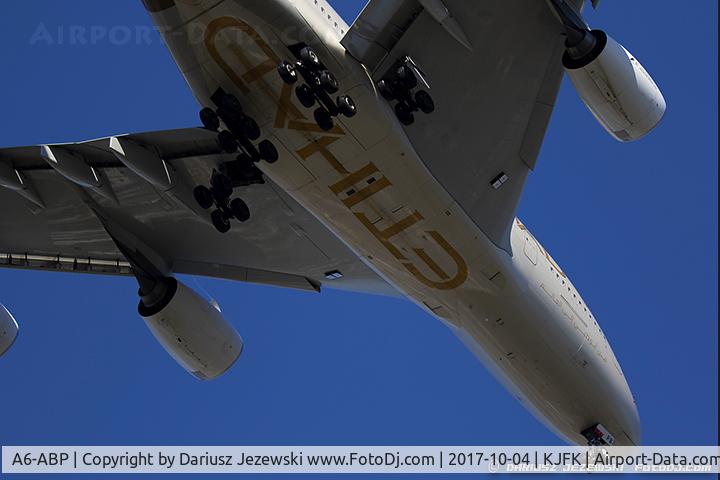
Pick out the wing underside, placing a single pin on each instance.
(493, 69)
(52, 222)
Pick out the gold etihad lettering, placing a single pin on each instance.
(364, 193)
(289, 117)
(320, 146)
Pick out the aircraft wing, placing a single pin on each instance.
(493, 69)
(49, 222)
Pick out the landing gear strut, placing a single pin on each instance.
(399, 86)
(239, 136)
(316, 90)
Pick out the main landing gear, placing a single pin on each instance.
(242, 131)
(399, 86)
(218, 195)
(319, 84)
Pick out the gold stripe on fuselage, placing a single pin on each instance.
(289, 117)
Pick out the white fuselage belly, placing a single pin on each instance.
(518, 313)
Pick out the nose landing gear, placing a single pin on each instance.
(318, 86)
(242, 131)
(398, 86)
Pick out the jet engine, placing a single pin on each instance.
(613, 85)
(8, 330)
(191, 330)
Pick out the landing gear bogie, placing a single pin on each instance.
(329, 82)
(346, 106)
(305, 95)
(220, 221)
(230, 103)
(310, 58)
(240, 210)
(405, 114)
(424, 102)
(268, 152)
(221, 186)
(227, 141)
(323, 119)
(288, 73)
(400, 86)
(242, 130)
(243, 171)
(251, 150)
(250, 128)
(386, 91)
(203, 196)
(210, 119)
(406, 77)
(317, 86)
(239, 135)
(218, 195)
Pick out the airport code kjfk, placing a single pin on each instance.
(364, 459)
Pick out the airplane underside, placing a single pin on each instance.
(384, 158)
(364, 181)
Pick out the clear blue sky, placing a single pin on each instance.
(635, 226)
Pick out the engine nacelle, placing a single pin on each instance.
(192, 331)
(616, 88)
(8, 330)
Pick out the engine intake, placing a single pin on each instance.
(8, 330)
(614, 86)
(190, 329)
